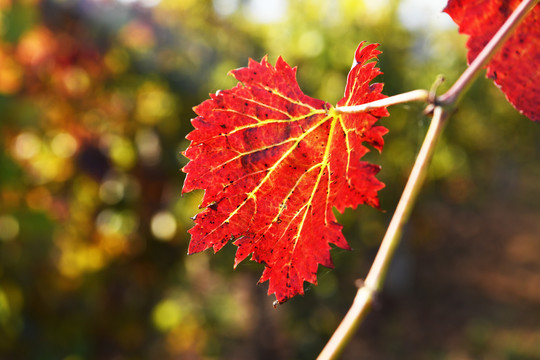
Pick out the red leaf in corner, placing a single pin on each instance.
(515, 66)
(273, 162)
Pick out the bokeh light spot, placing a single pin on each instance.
(27, 145)
(39, 198)
(77, 259)
(425, 15)
(76, 81)
(138, 36)
(149, 3)
(5, 310)
(166, 315)
(109, 222)
(266, 12)
(117, 60)
(64, 145)
(10, 74)
(111, 191)
(9, 227)
(148, 146)
(311, 43)
(163, 225)
(225, 7)
(121, 151)
(48, 167)
(153, 104)
(36, 46)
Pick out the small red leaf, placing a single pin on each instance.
(274, 161)
(515, 66)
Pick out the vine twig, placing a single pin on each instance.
(471, 73)
(441, 105)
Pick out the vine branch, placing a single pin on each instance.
(441, 110)
(471, 73)
(373, 283)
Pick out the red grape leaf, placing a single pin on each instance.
(515, 66)
(274, 161)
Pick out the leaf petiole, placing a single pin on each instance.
(414, 95)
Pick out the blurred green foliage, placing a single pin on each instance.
(95, 102)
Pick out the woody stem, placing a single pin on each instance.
(441, 110)
(471, 73)
(374, 281)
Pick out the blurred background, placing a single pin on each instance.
(95, 102)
